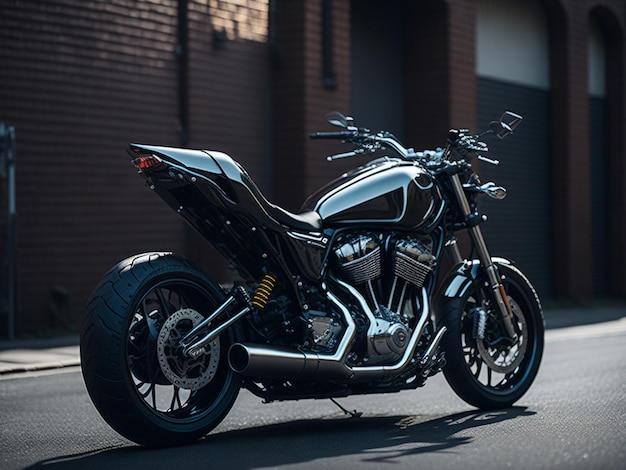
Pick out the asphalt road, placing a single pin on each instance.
(574, 417)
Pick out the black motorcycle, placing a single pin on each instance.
(346, 297)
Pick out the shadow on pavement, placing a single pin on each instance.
(371, 440)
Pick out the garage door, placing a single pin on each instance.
(513, 74)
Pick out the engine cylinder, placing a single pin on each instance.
(359, 259)
(413, 261)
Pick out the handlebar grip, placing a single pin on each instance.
(332, 135)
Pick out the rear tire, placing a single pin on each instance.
(489, 373)
(140, 384)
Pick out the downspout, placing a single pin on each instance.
(182, 53)
(328, 69)
(7, 154)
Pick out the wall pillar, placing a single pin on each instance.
(311, 76)
(440, 79)
(571, 181)
(615, 36)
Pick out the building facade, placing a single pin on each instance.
(79, 80)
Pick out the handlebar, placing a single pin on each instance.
(460, 145)
(333, 135)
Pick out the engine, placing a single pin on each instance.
(384, 270)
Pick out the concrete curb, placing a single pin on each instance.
(24, 359)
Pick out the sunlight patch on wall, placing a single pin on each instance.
(240, 19)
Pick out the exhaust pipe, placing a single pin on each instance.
(267, 361)
(263, 361)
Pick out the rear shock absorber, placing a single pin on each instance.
(263, 291)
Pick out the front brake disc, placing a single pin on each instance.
(505, 359)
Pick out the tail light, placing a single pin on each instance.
(145, 162)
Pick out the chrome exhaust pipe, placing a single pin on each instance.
(267, 361)
(250, 359)
(262, 361)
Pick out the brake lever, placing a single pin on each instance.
(338, 156)
(488, 160)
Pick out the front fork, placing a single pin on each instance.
(473, 221)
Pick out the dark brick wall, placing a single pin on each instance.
(301, 97)
(229, 92)
(80, 79)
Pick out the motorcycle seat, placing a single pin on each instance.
(308, 221)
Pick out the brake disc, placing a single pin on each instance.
(180, 370)
(505, 359)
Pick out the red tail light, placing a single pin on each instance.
(146, 161)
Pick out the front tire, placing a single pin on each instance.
(137, 379)
(492, 373)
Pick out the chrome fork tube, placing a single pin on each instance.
(453, 250)
(476, 234)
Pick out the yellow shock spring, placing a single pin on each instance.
(263, 292)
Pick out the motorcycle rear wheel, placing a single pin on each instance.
(490, 373)
(139, 382)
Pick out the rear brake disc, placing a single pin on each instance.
(180, 370)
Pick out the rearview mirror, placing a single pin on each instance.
(508, 122)
(337, 119)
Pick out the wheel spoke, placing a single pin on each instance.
(164, 379)
(176, 400)
(501, 362)
(154, 371)
(489, 376)
(149, 394)
(184, 301)
(479, 366)
(164, 303)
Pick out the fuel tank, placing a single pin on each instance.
(384, 191)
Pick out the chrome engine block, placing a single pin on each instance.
(360, 262)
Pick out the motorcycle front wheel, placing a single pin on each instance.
(485, 367)
(134, 371)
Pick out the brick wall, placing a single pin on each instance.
(301, 97)
(79, 80)
(230, 97)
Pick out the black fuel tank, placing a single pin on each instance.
(384, 191)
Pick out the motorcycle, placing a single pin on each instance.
(348, 296)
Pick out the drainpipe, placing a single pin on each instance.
(7, 147)
(182, 53)
(328, 69)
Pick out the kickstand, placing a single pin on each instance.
(352, 414)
